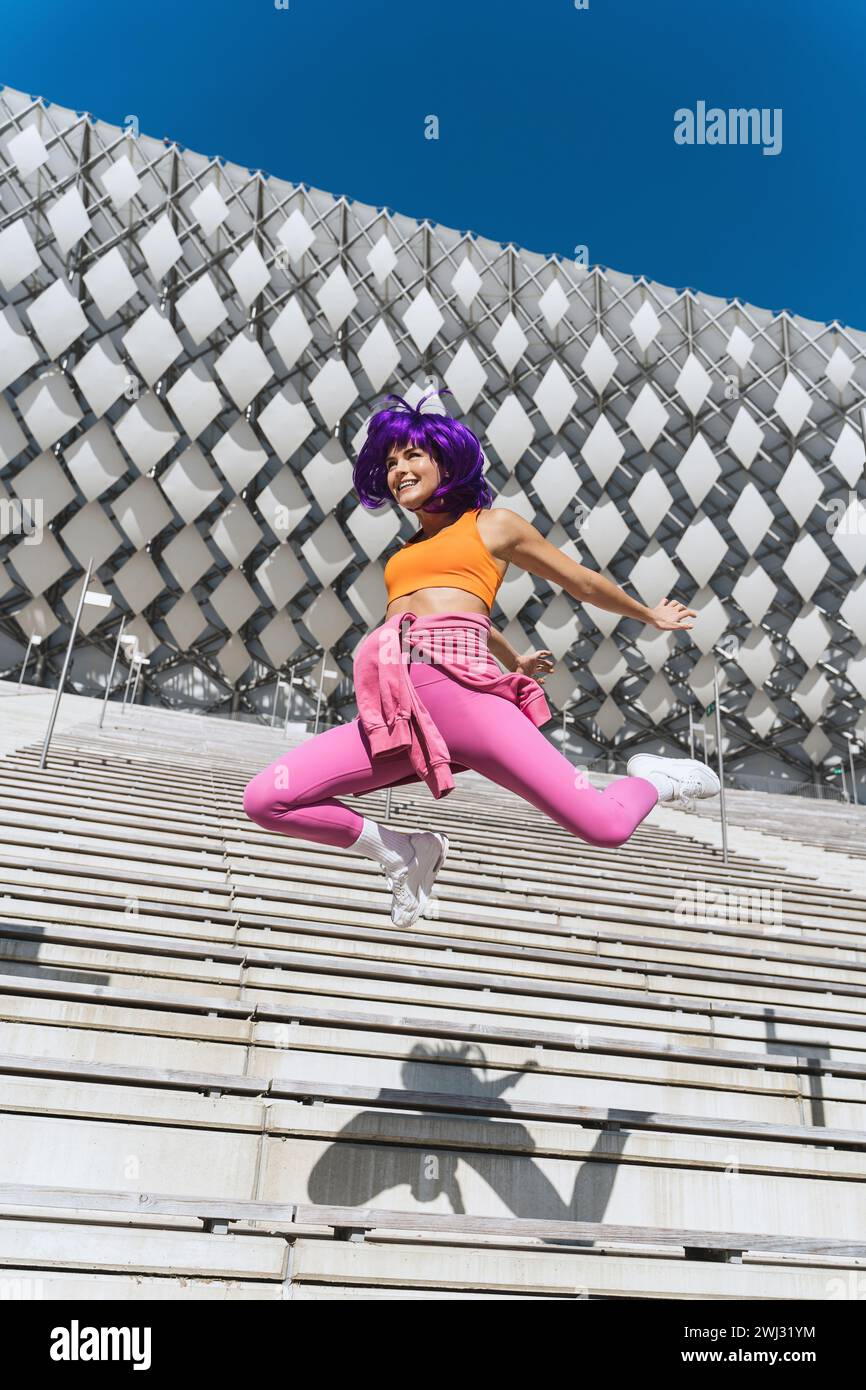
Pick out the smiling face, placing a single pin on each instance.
(413, 476)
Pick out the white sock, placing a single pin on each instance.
(666, 788)
(392, 849)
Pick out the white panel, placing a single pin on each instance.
(57, 318)
(49, 408)
(17, 352)
(190, 484)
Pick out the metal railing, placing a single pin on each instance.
(822, 791)
(738, 781)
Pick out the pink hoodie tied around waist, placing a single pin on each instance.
(391, 711)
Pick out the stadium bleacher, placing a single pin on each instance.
(225, 1074)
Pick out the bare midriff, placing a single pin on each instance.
(437, 600)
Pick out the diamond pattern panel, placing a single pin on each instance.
(189, 354)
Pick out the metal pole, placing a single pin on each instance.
(319, 696)
(59, 691)
(851, 761)
(135, 682)
(126, 687)
(111, 672)
(691, 734)
(26, 659)
(721, 762)
(291, 690)
(388, 804)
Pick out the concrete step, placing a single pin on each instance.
(197, 1010)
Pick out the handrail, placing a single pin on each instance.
(434, 1102)
(364, 1220)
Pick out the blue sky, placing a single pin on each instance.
(555, 124)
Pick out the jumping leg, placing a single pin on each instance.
(296, 795)
(489, 734)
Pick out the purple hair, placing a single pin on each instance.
(454, 447)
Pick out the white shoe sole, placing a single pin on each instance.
(431, 859)
(431, 851)
(675, 768)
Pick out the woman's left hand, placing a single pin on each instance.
(531, 663)
(669, 616)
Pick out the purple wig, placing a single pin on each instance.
(454, 447)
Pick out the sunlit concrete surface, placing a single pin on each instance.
(224, 1073)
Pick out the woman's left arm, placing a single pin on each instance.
(533, 663)
(522, 545)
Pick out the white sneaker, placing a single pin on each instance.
(411, 887)
(680, 780)
(431, 851)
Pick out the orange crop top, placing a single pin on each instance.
(455, 558)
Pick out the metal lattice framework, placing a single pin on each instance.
(189, 353)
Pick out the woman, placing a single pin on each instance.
(431, 700)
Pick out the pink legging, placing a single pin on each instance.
(295, 794)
